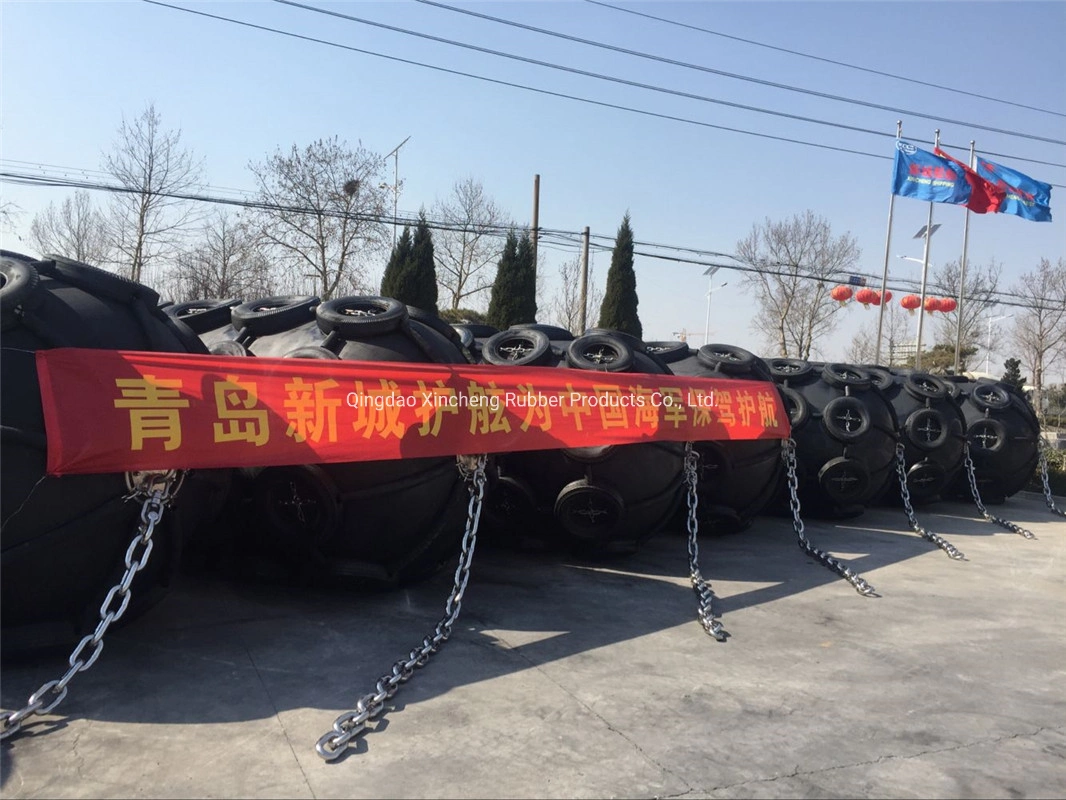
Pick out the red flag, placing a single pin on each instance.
(985, 197)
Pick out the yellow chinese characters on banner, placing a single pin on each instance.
(166, 410)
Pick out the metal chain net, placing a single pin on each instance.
(1044, 447)
(704, 593)
(905, 493)
(352, 723)
(157, 490)
(972, 477)
(788, 453)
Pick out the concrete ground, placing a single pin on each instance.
(572, 679)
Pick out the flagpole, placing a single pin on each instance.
(884, 273)
(925, 270)
(962, 273)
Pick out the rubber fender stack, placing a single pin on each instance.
(594, 501)
(64, 539)
(1004, 437)
(737, 479)
(376, 524)
(845, 434)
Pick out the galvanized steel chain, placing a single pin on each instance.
(971, 475)
(157, 489)
(905, 493)
(788, 453)
(1044, 447)
(353, 723)
(704, 593)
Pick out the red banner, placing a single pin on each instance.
(116, 411)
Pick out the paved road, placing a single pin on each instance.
(574, 679)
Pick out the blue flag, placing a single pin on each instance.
(924, 176)
(1027, 198)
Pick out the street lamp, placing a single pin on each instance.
(709, 272)
(395, 186)
(927, 231)
(988, 343)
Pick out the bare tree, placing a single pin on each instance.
(974, 300)
(324, 205)
(147, 220)
(74, 229)
(469, 244)
(227, 262)
(565, 304)
(9, 214)
(1040, 328)
(795, 262)
(898, 334)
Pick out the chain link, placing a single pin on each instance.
(971, 475)
(157, 490)
(704, 593)
(352, 723)
(905, 493)
(1044, 447)
(788, 454)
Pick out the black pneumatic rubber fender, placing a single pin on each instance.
(63, 538)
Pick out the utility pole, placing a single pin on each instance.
(396, 186)
(582, 317)
(536, 218)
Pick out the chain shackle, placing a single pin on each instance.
(705, 612)
(905, 493)
(971, 476)
(156, 490)
(788, 454)
(1044, 448)
(333, 744)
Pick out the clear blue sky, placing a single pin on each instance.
(72, 70)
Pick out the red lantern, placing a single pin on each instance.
(841, 294)
(888, 295)
(910, 302)
(948, 304)
(932, 304)
(877, 299)
(866, 297)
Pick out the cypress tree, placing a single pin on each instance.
(526, 270)
(619, 308)
(392, 280)
(505, 289)
(421, 287)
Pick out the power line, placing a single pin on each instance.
(648, 86)
(550, 93)
(706, 69)
(827, 60)
(495, 230)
